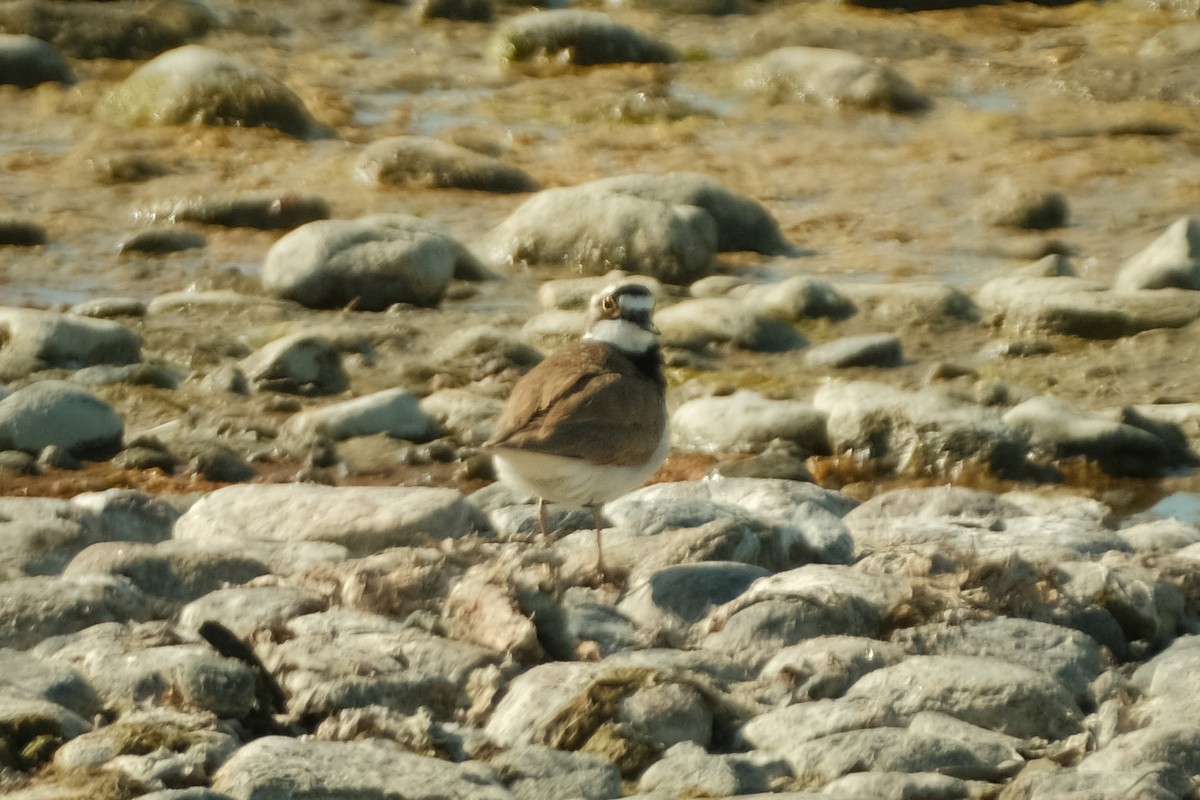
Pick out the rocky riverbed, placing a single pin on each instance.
(929, 287)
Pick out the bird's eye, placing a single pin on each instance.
(608, 304)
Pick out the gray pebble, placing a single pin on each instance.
(918, 429)
(689, 771)
(198, 746)
(672, 599)
(263, 211)
(21, 233)
(1011, 205)
(29, 677)
(26, 61)
(826, 666)
(745, 421)
(998, 695)
(542, 773)
(705, 321)
(470, 10)
(586, 37)
(1171, 260)
(798, 298)
(394, 412)
(832, 78)
(933, 305)
(299, 363)
(247, 609)
(785, 608)
(424, 162)
(117, 31)
(157, 241)
(108, 307)
(869, 350)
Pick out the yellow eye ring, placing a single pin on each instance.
(608, 304)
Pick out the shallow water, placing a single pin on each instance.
(1020, 92)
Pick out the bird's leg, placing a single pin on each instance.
(600, 522)
(541, 512)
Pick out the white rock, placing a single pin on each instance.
(394, 412)
(1072, 658)
(62, 414)
(688, 771)
(469, 415)
(276, 768)
(585, 38)
(705, 321)
(826, 666)
(833, 78)
(193, 84)
(371, 262)
(362, 518)
(921, 431)
(36, 340)
(868, 350)
(1171, 260)
(175, 570)
(32, 609)
(427, 163)
(742, 222)
(1065, 430)
(813, 600)
(244, 610)
(130, 665)
(997, 695)
(299, 363)
(799, 297)
(596, 230)
(747, 422)
(197, 747)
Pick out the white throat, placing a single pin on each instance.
(621, 334)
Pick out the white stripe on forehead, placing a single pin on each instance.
(636, 302)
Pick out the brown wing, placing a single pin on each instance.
(587, 402)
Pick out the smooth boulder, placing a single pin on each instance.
(61, 414)
(197, 84)
(743, 223)
(371, 263)
(33, 340)
(595, 230)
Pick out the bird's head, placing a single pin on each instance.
(622, 315)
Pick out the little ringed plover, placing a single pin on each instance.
(589, 423)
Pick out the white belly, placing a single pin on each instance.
(571, 482)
